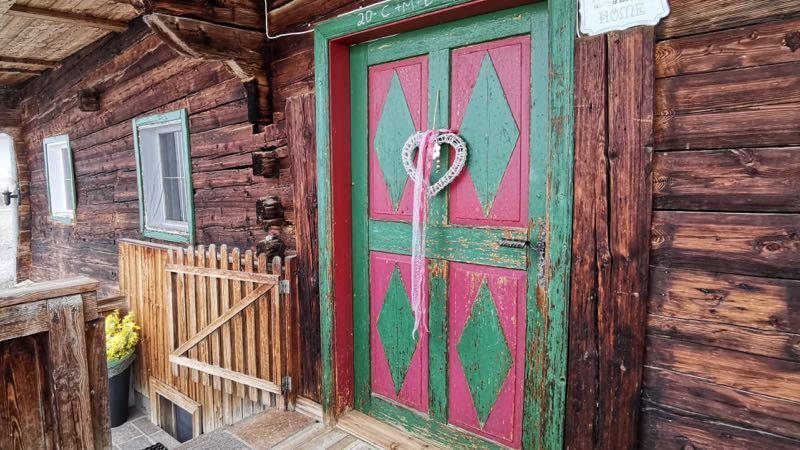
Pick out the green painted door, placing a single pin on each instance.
(464, 382)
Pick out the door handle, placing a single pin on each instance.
(513, 243)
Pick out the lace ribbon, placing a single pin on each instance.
(428, 151)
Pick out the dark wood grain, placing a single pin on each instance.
(752, 373)
(668, 428)
(745, 244)
(773, 344)
(762, 126)
(590, 275)
(736, 407)
(21, 418)
(703, 16)
(138, 75)
(747, 180)
(751, 46)
(622, 311)
(610, 246)
(300, 119)
(728, 90)
(766, 304)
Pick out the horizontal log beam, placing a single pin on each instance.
(19, 70)
(11, 60)
(66, 18)
(200, 39)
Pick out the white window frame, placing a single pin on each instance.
(152, 211)
(60, 179)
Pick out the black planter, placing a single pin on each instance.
(118, 386)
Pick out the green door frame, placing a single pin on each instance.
(544, 401)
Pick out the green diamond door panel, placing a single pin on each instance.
(487, 307)
(490, 97)
(398, 93)
(399, 357)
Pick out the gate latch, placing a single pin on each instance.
(513, 243)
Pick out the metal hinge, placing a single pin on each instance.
(286, 287)
(286, 389)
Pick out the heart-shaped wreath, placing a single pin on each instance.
(453, 140)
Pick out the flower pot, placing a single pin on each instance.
(118, 394)
(119, 381)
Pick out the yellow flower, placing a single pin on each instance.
(121, 336)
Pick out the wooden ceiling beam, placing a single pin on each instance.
(17, 70)
(200, 39)
(234, 13)
(11, 60)
(81, 20)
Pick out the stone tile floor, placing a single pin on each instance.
(139, 433)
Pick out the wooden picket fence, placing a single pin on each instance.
(219, 326)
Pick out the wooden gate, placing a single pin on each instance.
(219, 326)
(229, 326)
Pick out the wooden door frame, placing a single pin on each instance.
(332, 43)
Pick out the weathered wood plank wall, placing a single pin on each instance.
(138, 75)
(723, 346)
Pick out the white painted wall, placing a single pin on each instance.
(8, 214)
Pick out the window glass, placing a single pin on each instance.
(164, 178)
(60, 180)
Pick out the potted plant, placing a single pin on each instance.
(121, 339)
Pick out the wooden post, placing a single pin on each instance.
(590, 252)
(301, 138)
(293, 329)
(69, 372)
(611, 236)
(98, 382)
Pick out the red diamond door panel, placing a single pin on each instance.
(491, 110)
(487, 350)
(397, 109)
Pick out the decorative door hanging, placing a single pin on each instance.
(430, 145)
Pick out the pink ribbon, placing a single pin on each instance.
(419, 224)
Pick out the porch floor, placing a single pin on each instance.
(139, 433)
(276, 429)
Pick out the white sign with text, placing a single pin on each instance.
(602, 16)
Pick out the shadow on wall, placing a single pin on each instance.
(8, 214)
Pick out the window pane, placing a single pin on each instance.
(59, 190)
(65, 168)
(173, 204)
(163, 176)
(170, 154)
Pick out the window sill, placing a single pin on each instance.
(169, 237)
(63, 220)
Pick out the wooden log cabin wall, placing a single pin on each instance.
(703, 108)
(723, 344)
(136, 75)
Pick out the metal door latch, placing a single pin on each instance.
(514, 243)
